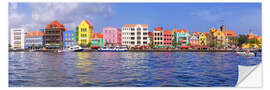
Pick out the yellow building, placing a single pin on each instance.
(85, 32)
(202, 39)
(218, 36)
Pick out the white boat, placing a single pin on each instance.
(59, 51)
(245, 54)
(75, 48)
(113, 49)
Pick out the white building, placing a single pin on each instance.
(17, 38)
(135, 34)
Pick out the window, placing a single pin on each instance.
(66, 34)
(144, 29)
(132, 29)
(138, 29)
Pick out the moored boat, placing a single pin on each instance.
(75, 48)
(113, 49)
(245, 53)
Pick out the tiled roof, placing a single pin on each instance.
(167, 32)
(230, 32)
(88, 23)
(55, 22)
(35, 33)
(134, 25)
(158, 28)
(98, 35)
(180, 30)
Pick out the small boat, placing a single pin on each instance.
(113, 49)
(246, 54)
(75, 48)
(59, 51)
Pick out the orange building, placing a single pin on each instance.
(34, 39)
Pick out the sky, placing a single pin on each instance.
(240, 17)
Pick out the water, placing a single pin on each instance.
(126, 69)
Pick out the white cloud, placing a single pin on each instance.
(69, 14)
(15, 19)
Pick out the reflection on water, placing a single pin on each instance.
(84, 66)
(126, 68)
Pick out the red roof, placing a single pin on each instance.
(35, 33)
(167, 32)
(158, 28)
(180, 30)
(55, 22)
(88, 23)
(230, 32)
(98, 35)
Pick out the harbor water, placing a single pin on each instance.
(126, 69)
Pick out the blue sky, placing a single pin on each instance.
(192, 16)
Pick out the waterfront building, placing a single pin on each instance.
(85, 33)
(135, 34)
(54, 35)
(251, 43)
(194, 41)
(202, 39)
(69, 39)
(231, 38)
(218, 36)
(112, 36)
(158, 37)
(181, 37)
(34, 40)
(17, 38)
(167, 38)
(97, 40)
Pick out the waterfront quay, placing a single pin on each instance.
(137, 50)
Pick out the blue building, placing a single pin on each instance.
(181, 37)
(69, 39)
(34, 40)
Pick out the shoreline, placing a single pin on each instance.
(174, 50)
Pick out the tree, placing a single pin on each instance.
(9, 45)
(40, 46)
(61, 45)
(33, 46)
(253, 41)
(89, 44)
(174, 43)
(242, 39)
(77, 34)
(151, 45)
(213, 44)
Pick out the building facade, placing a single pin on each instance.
(112, 36)
(231, 37)
(97, 40)
(135, 34)
(17, 38)
(167, 38)
(85, 33)
(34, 40)
(182, 37)
(202, 39)
(218, 36)
(158, 36)
(54, 35)
(194, 41)
(69, 39)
